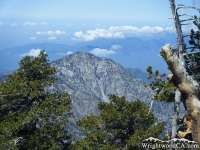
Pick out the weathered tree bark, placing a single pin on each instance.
(180, 41)
(180, 51)
(189, 89)
(176, 112)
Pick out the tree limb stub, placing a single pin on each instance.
(188, 87)
(180, 76)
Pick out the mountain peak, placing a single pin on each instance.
(89, 80)
(98, 77)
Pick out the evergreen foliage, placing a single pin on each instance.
(164, 90)
(30, 116)
(120, 125)
(195, 35)
(193, 60)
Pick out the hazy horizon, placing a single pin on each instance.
(69, 22)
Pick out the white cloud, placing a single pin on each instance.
(97, 33)
(67, 24)
(32, 38)
(51, 38)
(34, 23)
(102, 52)
(44, 23)
(29, 23)
(58, 32)
(69, 53)
(32, 52)
(115, 47)
(151, 29)
(170, 29)
(13, 24)
(115, 32)
(185, 29)
(51, 33)
(3, 23)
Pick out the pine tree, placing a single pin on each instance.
(193, 59)
(120, 125)
(164, 89)
(30, 116)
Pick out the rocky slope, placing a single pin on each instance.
(90, 79)
(97, 77)
(139, 74)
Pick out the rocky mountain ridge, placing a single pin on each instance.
(98, 77)
(90, 79)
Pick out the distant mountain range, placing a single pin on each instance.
(129, 52)
(90, 79)
(139, 74)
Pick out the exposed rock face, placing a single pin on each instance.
(97, 77)
(90, 79)
(139, 74)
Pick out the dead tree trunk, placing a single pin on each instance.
(180, 51)
(176, 113)
(189, 89)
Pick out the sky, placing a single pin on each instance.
(68, 22)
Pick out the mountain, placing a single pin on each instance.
(4, 76)
(10, 57)
(130, 52)
(98, 77)
(90, 79)
(3, 71)
(138, 73)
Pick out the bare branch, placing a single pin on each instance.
(183, 6)
(192, 47)
(189, 35)
(186, 24)
(191, 53)
(186, 20)
(186, 15)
